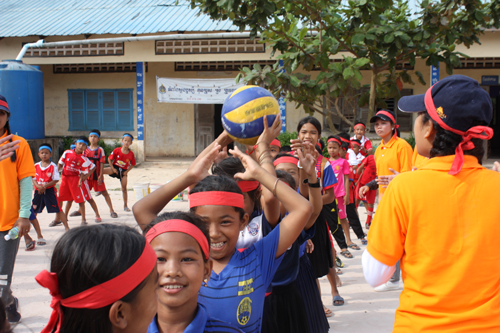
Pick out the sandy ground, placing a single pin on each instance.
(364, 309)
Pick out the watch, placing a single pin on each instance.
(315, 185)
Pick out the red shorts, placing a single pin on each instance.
(369, 196)
(94, 184)
(69, 190)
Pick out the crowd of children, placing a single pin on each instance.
(259, 232)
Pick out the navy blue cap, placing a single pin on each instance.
(459, 102)
(3, 104)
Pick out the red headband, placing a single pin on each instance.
(334, 140)
(98, 296)
(355, 143)
(248, 185)
(179, 226)
(385, 113)
(344, 140)
(286, 159)
(479, 132)
(276, 142)
(360, 125)
(3, 103)
(216, 198)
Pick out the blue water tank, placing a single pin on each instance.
(22, 86)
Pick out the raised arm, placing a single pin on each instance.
(299, 209)
(146, 209)
(308, 163)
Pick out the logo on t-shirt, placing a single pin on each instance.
(253, 228)
(244, 311)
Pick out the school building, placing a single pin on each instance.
(116, 86)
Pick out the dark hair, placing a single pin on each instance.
(356, 140)
(445, 142)
(321, 144)
(335, 137)
(87, 256)
(96, 131)
(319, 150)
(84, 138)
(131, 136)
(287, 178)
(13, 157)
(186, 216)
(286, 149)
(359, 122)
(45, 144)
(310, 120)
(396, 130)
(218, 183)
(229, 167)
(344, 135)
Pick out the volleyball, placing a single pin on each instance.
(243, 111)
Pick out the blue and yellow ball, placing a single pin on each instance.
(243, 112)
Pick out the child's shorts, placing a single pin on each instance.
(341, 208)
(32, 214)
(94, 184)
(47, 199)
(69, 190)
(118, 175)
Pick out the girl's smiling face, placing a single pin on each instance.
(309, 133)
(181, 269)
(224, 225)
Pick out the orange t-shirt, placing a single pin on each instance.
(444, 229)
(10, 175)
(418, 160)
(396, 154)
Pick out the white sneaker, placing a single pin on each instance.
(388, 286)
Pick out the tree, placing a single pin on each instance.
(374, 35)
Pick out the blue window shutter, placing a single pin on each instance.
(92, 99)
(76, 110)
(109, 110)
(125, 110)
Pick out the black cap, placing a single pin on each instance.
(459, 102)
(382, 114)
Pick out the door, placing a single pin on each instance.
(204, 126)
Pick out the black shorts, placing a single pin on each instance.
(47, 199)
(118, 175)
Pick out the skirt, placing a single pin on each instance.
(322, 257)
(306, 284)
(287, 306)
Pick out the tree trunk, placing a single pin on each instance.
(373, 95)
(329, 116)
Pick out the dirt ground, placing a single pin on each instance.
(364, 309)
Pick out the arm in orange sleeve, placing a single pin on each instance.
(387, 234)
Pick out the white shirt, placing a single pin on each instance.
(353, 158)
(251, 234)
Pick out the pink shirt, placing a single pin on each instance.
(340, 167)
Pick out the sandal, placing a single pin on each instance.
(98, 220)
(30, 246)
(84, 223)
(328, 312)
(338, 301)
(126, 209)
(55, 223)
(339, 271)
(364, 241)
(41, 241)
(354, 247)
(346, 254)
(75, 213)
(338, 262)
(114, 215)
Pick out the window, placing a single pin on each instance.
(197, 46)
(219, 65)
(119, 67)
(106, 110)
(86, 50)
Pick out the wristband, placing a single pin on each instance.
(315, 185)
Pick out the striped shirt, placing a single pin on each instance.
(201, 323)
(236, 295)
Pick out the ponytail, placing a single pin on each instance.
(7, 128)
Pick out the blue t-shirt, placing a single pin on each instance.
(237, 294)
(201, 323)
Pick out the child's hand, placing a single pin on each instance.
(309, 246)
(346, 199)
(251, 167)
(308, 159)
(100, 179)
(270, 133)
(385, 180)
(296, 144)
(198, 170)
(41, 189)
(80, 181)
(362, 191)
(221, 156)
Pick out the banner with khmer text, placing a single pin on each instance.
(194, 91)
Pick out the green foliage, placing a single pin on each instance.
(285, 138)
(374, 35)
(411, 140)
(68, 141)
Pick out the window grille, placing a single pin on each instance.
(88, 50)
(120, 67)
(473, 63)
(219, 65)
(197, 46)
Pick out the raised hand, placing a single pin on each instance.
(270, 133)
(251, 166)
(198, 170)
(7, 149)
(308, 159)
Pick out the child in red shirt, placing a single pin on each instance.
(359, 134)
(96, 155)
(122, 160)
